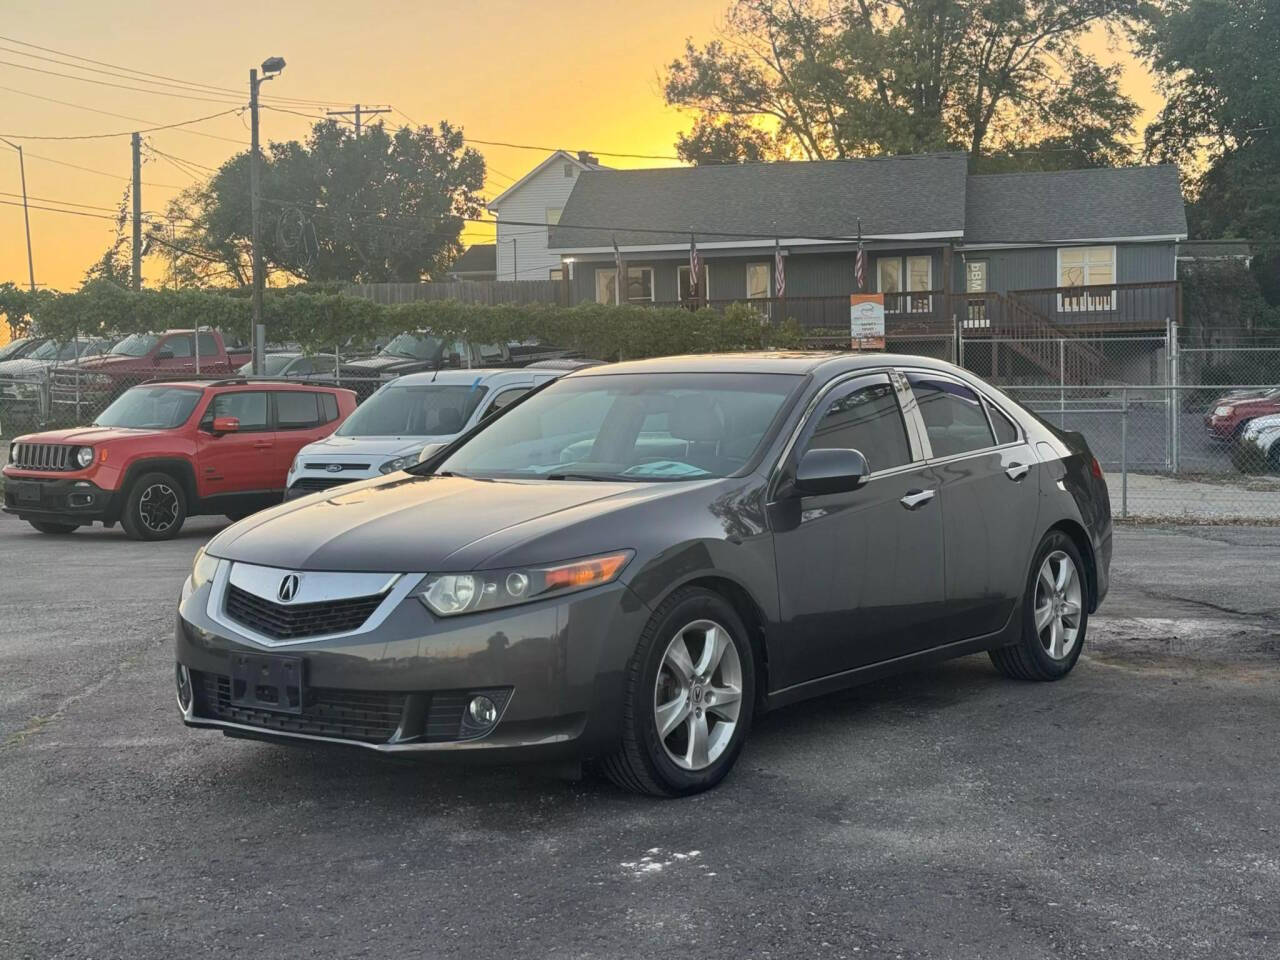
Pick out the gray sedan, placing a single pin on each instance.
(632, 562)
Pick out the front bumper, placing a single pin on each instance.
(59, 499)
(556, 667)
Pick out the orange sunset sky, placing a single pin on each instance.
(551, 72)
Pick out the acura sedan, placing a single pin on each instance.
(632, 562)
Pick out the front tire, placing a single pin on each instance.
(1055, 614)
(689, 698)
(54, 529)
(155, 508)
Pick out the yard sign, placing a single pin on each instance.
(866, 321)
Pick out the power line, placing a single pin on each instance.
(205, 87)
(599, 153)
(116, 86)
(129, 133)
(100, 173)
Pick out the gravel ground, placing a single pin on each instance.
(1129, 811)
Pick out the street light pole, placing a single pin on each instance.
(270, 68)
(26, 216)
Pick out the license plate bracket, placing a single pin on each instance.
(267, 682)
(25, 491)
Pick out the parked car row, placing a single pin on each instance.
(162, 452)
(1250, 422)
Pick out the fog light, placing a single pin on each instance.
(183, 680)
(482, 711)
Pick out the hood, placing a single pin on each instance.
(24, 368)
(407, 523)
(105, 361)
(390, 364)
(85, 436)
(352, 447)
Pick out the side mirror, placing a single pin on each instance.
(831, 471)
(165, 354)
(428, 451)
(223, 425)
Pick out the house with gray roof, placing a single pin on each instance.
(1017, 255)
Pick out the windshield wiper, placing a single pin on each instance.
(579, 476)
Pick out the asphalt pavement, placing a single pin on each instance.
(1128, 811)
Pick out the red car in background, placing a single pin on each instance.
(165, 451)
(1229, 414)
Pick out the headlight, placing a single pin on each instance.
(399, 463)
(202, 571)
(84, 456)
(1223, 411)
(449, 594)
(293, 467)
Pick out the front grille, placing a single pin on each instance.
(45, 456)
(294, 621)
(364, 715)
(326, 465)
(312, 484)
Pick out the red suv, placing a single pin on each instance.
(1230, 414)
(165, 451)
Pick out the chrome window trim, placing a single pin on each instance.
(917, 452)
(398, 586)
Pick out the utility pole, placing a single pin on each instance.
(270, 68)
(358, 112)
(26, 217)
(137, 212)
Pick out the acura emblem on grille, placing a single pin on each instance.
(288, 587)
(334, 468)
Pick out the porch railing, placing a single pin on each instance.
(1115, 307)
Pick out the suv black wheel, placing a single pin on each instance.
(689, 698)
(1055, 614)
(155, 508)
(45, 526)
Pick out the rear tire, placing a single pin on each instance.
(54, 529)
(1055, 614)
(694, 669)
(155, 508)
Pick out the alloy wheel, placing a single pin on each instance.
(698, 695)
(1058, 605)
(158, 507)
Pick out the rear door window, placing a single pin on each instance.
(865, 418)
(180, 345)
(208, 345)
(247, 406)
(953, 415)
(296, 410)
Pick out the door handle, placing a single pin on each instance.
(1016, 471)
(917, 498)
(262, 444)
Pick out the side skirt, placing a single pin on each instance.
(874, 671)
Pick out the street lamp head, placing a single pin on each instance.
(272, 65)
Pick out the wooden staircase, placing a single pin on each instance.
(1008, 323)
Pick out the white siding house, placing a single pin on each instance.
(527, 207)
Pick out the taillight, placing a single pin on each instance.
(1097, 468)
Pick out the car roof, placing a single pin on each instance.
(242, 383)
(483, 376)
(792, 362)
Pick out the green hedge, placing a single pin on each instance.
(319, 321)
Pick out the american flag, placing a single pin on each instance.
(860, 268)
(695, 268)
(779, 270)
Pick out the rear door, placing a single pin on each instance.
(860, 573)
(301, 417)
(238, 462)
(990, 500)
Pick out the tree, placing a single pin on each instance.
(383, 207)
(116, 263)
(823, 79)
(722, 141)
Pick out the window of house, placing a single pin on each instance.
(913, 275)
(704, 288)
(570, 171)
(952, 413)
(1086, 267)
(553, 215)
(866, 419)
(639, 285)
(557, 273)
(759, 280)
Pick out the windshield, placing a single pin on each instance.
(677, 426)
(425, 410)
(413, 346)
(135, 345)
(15, 349)
(150, 408)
